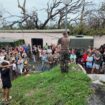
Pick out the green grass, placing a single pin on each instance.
(52, 88)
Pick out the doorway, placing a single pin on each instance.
(37, 42)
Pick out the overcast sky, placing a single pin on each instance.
(12, 7)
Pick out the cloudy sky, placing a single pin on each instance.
(12, 7)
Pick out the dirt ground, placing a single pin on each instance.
(98, 97)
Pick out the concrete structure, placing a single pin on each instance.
(99, 40)
(81, 41)
(42, 36)
(33, 36)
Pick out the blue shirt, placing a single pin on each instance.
(89, 62)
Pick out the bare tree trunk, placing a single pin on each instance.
(82, 17)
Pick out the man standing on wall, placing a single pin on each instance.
(63, 45)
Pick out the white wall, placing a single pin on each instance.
(98, 41)
(50, 38)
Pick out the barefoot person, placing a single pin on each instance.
(6, 81)
(63, 44)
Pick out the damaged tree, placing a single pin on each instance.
(55, 13)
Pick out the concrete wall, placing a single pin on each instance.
(98, 41)
(50, 38)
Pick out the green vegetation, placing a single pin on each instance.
(12, 43)
(52, 88)
(19, 42)
(91, 31)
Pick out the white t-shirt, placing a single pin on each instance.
(49, 51)
(14, 66)
(1, 59)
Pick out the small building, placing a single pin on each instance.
(41, 37)
(33, 37)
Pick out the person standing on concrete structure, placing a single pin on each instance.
(63, 45)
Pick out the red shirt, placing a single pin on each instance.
(84, 57)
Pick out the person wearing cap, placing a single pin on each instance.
(63, 45)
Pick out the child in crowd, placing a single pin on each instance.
(89, 62)
(84, 58)
(14, 70)
(97, 61)
(44, 60)
(20, 65)
(73, 57)
(26, 67)
(6, 81)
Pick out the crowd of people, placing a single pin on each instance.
(47, 57)
(12, 63)
(17, 57)
(17, 60)
(92, 59)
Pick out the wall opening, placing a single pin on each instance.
(37, 42)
